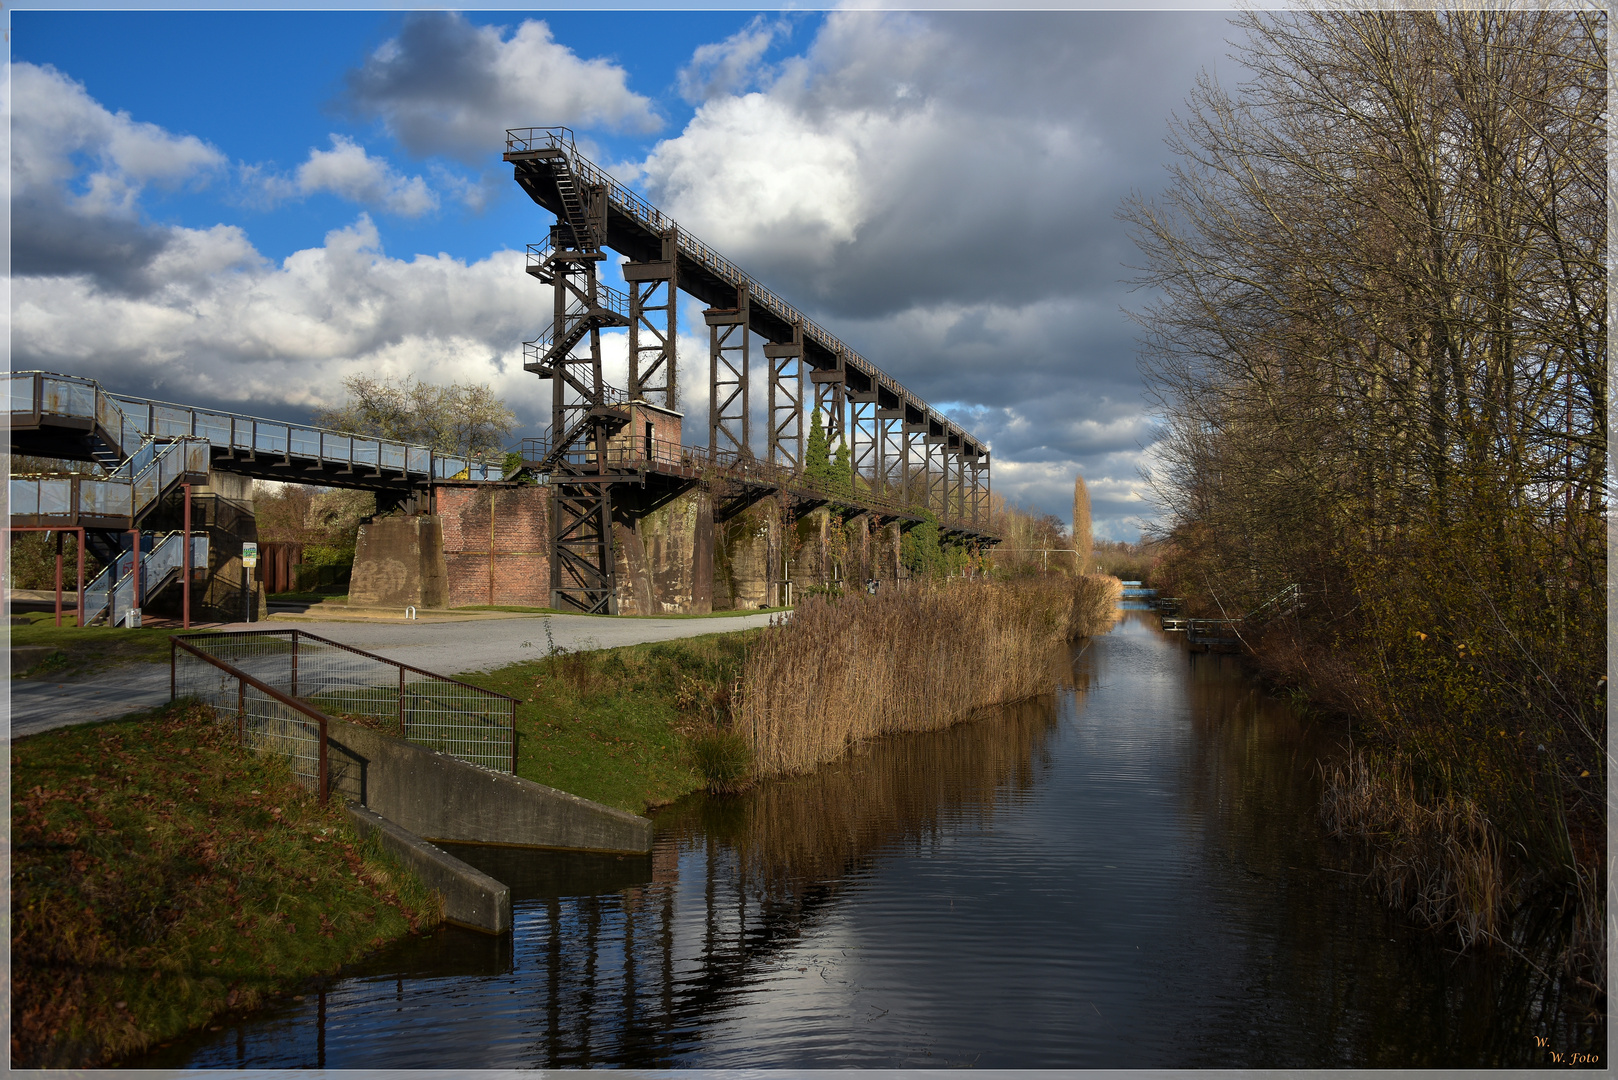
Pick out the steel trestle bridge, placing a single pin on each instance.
(907, 460)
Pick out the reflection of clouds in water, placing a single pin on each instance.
(1130, 875)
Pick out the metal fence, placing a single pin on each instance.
(266, 719)
(467, 722)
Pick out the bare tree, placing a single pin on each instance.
(1380, 353)
(463, 418)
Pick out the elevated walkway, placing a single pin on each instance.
(65, 416)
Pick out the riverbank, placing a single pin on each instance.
(161, 877)
(619, 726)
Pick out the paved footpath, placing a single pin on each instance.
(449, 648)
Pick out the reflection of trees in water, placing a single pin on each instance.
(1252, 782)
(635, 978)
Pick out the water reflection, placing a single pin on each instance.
(1126, 874)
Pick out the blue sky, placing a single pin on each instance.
(243, 208)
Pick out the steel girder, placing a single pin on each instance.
(728, 356)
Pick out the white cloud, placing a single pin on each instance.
(730, 66)
(54, 119)
(229, 326)
(444, 86)
(347, 171)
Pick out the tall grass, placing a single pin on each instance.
(842, 671)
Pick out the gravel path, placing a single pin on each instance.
(449, 648)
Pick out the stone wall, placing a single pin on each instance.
(664, 559)
(518, 518)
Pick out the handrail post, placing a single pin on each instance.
(401, 701)
(294, 663)
(325, 780)
(513, 738)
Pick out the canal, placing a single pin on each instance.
(1128, 873)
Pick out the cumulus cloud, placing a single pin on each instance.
(229, 327)
(444, 86)
(730, 66)
(349, 172)
(77, 170)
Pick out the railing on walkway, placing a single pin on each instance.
(266, 718)
(635, 454)
(122, 497)
(36, 395)
(114, 587)
(467, 722)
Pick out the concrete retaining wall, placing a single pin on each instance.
(471, 897)
(399, 561)
(438, 797)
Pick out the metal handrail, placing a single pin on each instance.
(244, 680)
(525, 140)
(240, 431)
(635, 454)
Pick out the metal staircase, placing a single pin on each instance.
(112, 592)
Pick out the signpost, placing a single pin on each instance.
(249, 560)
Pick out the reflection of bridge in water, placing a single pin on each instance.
(630, 962)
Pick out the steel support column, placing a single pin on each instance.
(582, 576)
(890, 452)
(864, 444)
(728, 357)
(654, 326)
(787, 421)
(937, 476)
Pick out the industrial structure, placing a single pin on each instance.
(905, 457)
(610, 511)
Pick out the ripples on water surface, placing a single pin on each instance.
(1126, 875)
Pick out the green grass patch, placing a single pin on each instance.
(308, 597)
(162, 876)
(83, 648)
(619, 726)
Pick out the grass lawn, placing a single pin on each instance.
(616, 725)
(161, 876)
(78, 649)
(308, 597)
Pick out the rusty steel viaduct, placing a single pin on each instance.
(908, 462)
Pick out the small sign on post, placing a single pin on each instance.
(249, 560)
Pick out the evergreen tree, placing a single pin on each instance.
(842, 473)
(817, 466)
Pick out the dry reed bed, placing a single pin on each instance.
(1441, 863)
(810, 830)
(846, 670)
